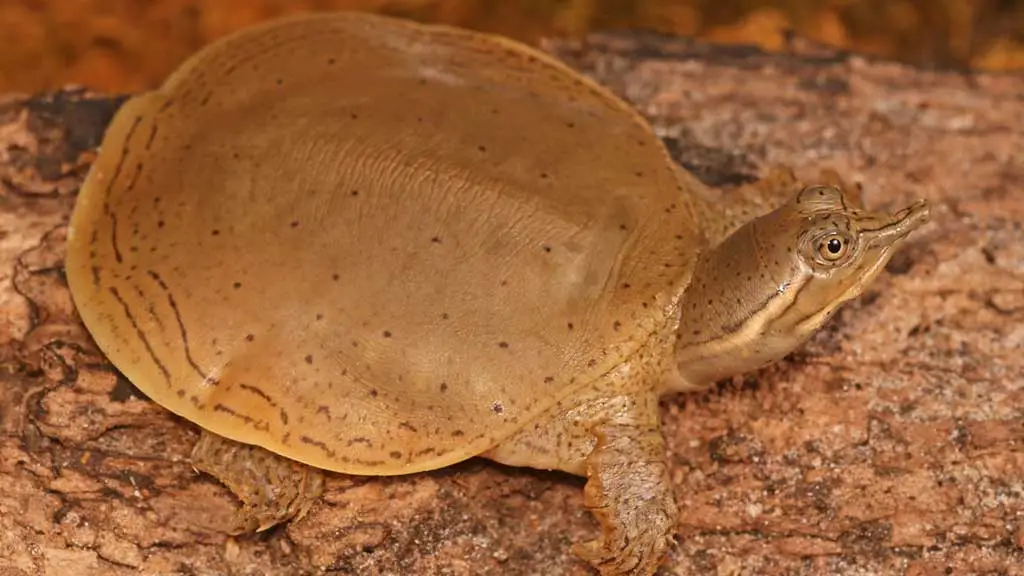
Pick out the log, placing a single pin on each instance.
(892, 443)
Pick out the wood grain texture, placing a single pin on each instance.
(890, 444)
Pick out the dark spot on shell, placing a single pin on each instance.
(436, 239)
(616, 325)
(444, 315)
(444, 386)
(279, 81)
(181, 393)
(335, 276)
(373, 393)
(570, 326)
(309, 358)
(395, 455)
(387, 334)
(354, 193)
(547, 248)
(215, 232)
(549, 379)
(570, 124)
(497, 408)
(457, 433)
(237, 285)
(160, 224)
(502, 344)
(482, 148)
(331, 61)
(626, 285)
(249, 337)
(544, 175)
(295, 223)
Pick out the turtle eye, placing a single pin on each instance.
(832, 247)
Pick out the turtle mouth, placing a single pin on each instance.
(900, 225)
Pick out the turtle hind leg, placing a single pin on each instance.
(271, 488)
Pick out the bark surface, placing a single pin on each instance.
(893, 443)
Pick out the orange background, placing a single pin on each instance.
(123, 45)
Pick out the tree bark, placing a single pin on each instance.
(892, 443)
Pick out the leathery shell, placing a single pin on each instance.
(374, 246)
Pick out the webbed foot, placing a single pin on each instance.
(271, 488)
(629, 492)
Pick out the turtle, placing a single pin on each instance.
(346, 243)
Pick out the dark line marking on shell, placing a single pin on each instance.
(181, 325)
(110, 186)
(407, 426)
(284, 416)
(140, 334)
(360, 440)
(457, 433)
(243, 417)
(326, 411)
(395, 455)
(258, 392)
(323, 447)
(152, 135)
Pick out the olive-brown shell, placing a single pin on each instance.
(374, 246)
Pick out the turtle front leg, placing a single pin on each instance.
(272, 488)
(617, 444)
(629, 491)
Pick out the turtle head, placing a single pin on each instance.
(772, 283)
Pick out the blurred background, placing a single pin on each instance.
(128, 45)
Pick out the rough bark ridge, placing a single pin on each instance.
(891, 444)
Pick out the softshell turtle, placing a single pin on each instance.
(359, 244)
